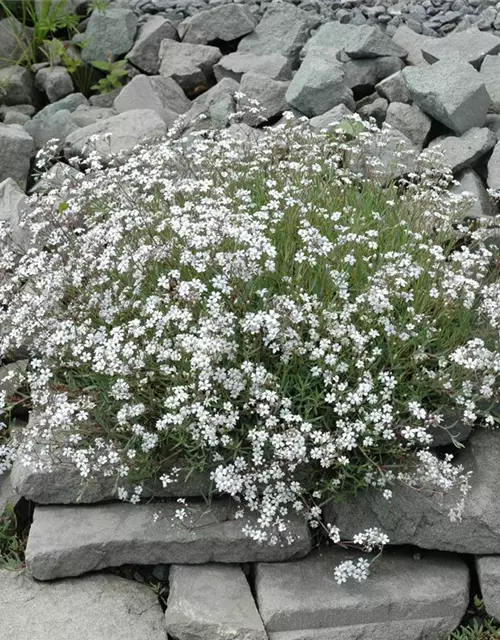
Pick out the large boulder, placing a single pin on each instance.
(145, 54)
(55, 82)
(464, 151)
(490, 75)
(480, 203)
(363, 75)
(17, 86)
(451, 91)
(214, 108)
(421, 517)
(55, 120)
(92, 607)
(270, 94)
(109, 33)
(16, 149)
(283, 29)
(225, 23)
(471, 46)
(126, 130)
(234, 65)
(331, 117)
(334, 36)
(372, 42)
(224, 608)
(190, 65)
(319, 85)
(410, 120)
(403, 598)
(163, 95)
(413, 43)
(69, 541)
(393, 88)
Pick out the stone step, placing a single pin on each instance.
(403, 598)
(98, 607)
(212, 602)
(68, 541)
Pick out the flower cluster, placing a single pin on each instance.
(269, 310)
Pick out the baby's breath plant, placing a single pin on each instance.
(271, 310)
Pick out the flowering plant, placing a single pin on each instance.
(268, 309)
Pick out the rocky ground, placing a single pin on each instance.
(433, 73)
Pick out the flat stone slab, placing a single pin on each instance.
(212, 602)
(421, 517)
(488, 570)
(94, 607)
(403, 598)
(69, 541)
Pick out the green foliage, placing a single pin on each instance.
(115, 71)
(98, 5)
(12, 545)
(479, 626)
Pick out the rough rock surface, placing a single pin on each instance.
(213, 108)
(422, 518)
(190, 65)
(12, 205)
(464, 151)
(17, 86)
(493, 178)
(327, 119)
(394, 89)
(13, 40)
(227, 22)
(55, 82)
(363, 75)
(212, 602)
(403, 598)
(234, 65)
(471, 183)
(413, 43)
(7, 492)
(55, 120)
(145, 54)
(471, 46)
(488, 570)
(269, 93)
(109, 33)
(452, 92)
(410, 120)
(90, 608)
(371, 42)
(490, 75)
(69, 541)
(16, 147)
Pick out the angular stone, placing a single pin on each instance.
(55, 82)
(470, 46)
(283, 29)
(190, 65)
(15, 117)
(421, 518)
(333, 36)
(393, 88)
(410, 120)
(69, 541)
(17, 86)
(145, 54)
(488, 571)
(16, 147)
(396, 154)
(109, 33)
(364, 74)
(163, 95)
(490, 75)
(224, 608)
(7, 493)
(372, 42)
(127, 130)
(319, 85)
(13, 40)
(86, 114)
(413, 43)
(465, 150)
(227, 22)
(333, 116)
(493, 179)
(92, 607)
(403, 598)
(452, 92)
(13, 203)
(270, 95)
(471, 183)
(60, 177)
(376, 109)
(234, 65)
(213, 108)
(55, 120)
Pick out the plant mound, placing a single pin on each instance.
(270, 309)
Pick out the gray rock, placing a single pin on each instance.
(224, 606)
(319, 85)
(190, 65)
(60, 177)
(16, 147)
(26, 109)
(227, 22)
(493, 123)
(234, 65)
(127, 130)
(109, 33)
(465, 150)
(269, 93)
(365, 74)
(85, 115)
(213, 109)
(13, 41)
(393, 88)
(470, 46)
(334, 36)
(452, 92)
(479, 207)
(413, 43)
(13, 204)
(163, 95)
(7, 493)
(57, 125)
(403, 598)
(92, 607)
(331, 117)
(488, 571)
(145, 54)
(410, 120)
(104, 99)
(372, 42)
(490, 75)
(69, 541)
(15, 117)
(421, 518)
(17, 86)
(493, 179)
(283, 29)
(55, 82)
(396, 156)
(376, 109)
